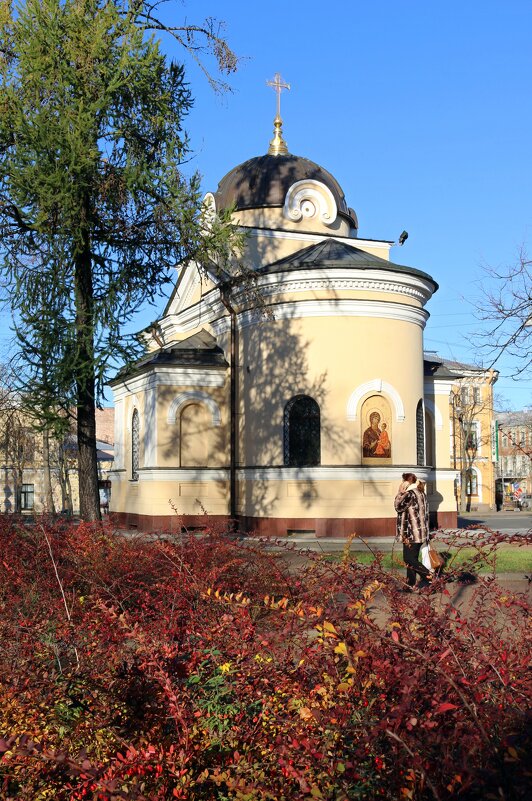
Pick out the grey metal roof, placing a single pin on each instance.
(332, 253)
(434, 366)
(449, 368)
(263, 181)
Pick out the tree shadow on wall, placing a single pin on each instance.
(274, 365)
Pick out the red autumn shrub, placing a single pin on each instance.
(208, 668)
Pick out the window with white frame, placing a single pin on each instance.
(27, 497)
(471, 482)
(472, 436)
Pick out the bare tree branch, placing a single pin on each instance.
(505, 304)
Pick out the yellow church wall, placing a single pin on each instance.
(211, 439)
(273, 218)
(171, 497)
(316, 357)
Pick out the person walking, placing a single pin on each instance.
(413, 527)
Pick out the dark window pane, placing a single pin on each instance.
(27, 496)
(135, 446)
(302, 446)
(420, 435)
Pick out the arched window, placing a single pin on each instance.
(471, 482)
(135, 445)
(302, 447)
(420, 435)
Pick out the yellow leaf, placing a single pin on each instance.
(315, 792)
(329, 627)
(513, 753)
(343, 687)
(341, 648)
(361, 654)
(305, 713)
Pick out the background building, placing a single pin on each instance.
(514, 467)
(30, 459)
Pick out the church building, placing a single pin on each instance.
(296, 407)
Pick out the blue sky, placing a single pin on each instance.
(421, 110)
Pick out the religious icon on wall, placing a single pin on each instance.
(376, 442)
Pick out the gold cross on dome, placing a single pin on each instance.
(278, 85)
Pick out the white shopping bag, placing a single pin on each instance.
(425, 557)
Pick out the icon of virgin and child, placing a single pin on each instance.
(376, 441)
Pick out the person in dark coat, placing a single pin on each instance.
(413, 527)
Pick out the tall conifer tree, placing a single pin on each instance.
(94, 208)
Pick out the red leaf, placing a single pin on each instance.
(445, 707)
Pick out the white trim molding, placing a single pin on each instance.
(185, 475)
(119, 434)
(440, 386)
(150, 428)
(171, 376)
(340, 279)
(376, 385)
(339, 473)
(134, 404)
(185, 398)
(431, 407)
(302, 309)
(309, 199)
(479, 481)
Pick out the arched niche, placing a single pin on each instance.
(195, 433)
(376, 431)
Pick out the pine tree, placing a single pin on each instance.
(94, 208)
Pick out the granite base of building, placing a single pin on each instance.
(271, 526)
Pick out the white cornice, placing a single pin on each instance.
(339, 473)
(342, 280)
(328, 308)
(185, 474)
(335, 280)
(181, 377)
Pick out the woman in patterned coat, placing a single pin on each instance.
(413, 527)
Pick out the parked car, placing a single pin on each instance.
(526, 501)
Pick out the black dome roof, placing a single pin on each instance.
(264, 181)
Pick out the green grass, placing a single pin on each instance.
(509, 559)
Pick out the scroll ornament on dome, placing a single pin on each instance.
(310, 199)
